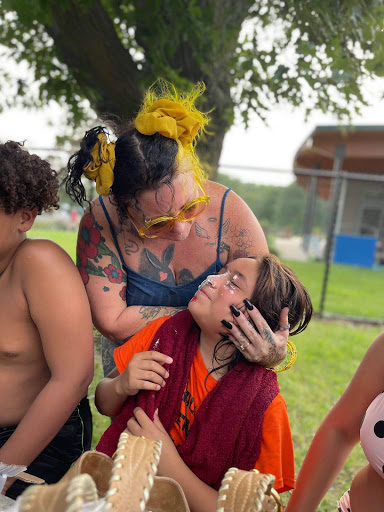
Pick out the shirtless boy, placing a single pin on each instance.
(46, 339)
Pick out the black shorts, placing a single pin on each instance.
(65, 448)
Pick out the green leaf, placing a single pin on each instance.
(95, 271)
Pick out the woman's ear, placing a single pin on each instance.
(27, 218)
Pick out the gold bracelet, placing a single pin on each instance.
(289, 359)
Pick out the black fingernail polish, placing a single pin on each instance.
(226, 324)
(248, 304)
(234, 310)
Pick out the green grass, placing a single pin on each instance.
(328, 355)
(100, 423)
(351, 291)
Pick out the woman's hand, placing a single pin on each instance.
(267, 348)
(144, 371)
(141, 425)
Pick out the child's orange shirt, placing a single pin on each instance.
(276, 454)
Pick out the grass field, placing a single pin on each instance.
(328, 355)
(351, 291)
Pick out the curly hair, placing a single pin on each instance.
(26, 181)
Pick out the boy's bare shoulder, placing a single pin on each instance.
(40, 256)
(41, 248)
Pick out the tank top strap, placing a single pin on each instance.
(113, 232)
(221, 222)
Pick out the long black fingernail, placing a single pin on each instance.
(248, 304)
(226, 324)
(234, 310)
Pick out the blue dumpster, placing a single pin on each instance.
(356, 250)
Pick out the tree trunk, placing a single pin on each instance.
(88, 44)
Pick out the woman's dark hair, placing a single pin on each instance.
(276, 287)
(142, 162)
(26, 181)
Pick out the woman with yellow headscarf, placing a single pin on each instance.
(159, 227)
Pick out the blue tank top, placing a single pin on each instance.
(143, 291)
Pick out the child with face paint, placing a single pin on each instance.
(184, 381)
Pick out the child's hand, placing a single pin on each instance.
(144, 371)
(141, 425)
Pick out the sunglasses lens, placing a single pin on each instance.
(194, 210)
(189, 213)
(158, 228)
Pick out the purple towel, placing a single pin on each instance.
(227, 429)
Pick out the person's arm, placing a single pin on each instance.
(200, 496)
(339, 432)
(105, 280)
(242, 234)
(59, 308)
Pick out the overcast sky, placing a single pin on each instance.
(268, 147)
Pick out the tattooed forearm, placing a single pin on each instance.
(149, 313)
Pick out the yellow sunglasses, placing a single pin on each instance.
(155, 227)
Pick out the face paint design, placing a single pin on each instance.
(207, 280)
(211, 281)
(229, 285)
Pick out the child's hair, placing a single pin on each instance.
(144, 156)
(276, 287)
(26, 181)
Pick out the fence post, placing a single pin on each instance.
(335, 202)
(310, 212)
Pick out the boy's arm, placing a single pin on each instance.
(59, 308)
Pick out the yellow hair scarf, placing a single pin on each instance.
(101, 167)
(170, 119)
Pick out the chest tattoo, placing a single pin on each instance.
(154, 268)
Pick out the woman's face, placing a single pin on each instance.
(235, 282)
(168, 201)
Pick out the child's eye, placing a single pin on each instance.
(233, 284)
